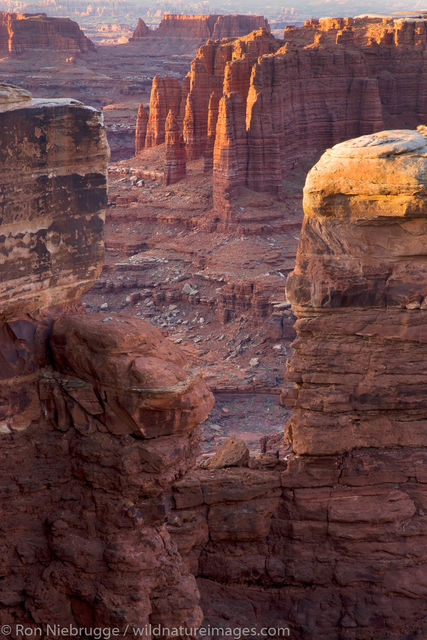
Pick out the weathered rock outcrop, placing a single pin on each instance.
(355, 485)
(331, 543)
(21, 32)
(202, 27)
(52, 217)
(375, 272)
(141, 129)
(98, 414)
(176, 163)
(165, 97)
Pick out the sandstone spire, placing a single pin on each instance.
(175, 168)
(141, 129)
(165, 95)
(230, 151)
(211, 131)
(141, 30)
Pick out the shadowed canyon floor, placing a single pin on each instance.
(218, 292)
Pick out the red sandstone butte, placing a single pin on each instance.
(333, 79)
(175, 165)
(141, 129)
(21, 32)
(141, 30)
(201, 27)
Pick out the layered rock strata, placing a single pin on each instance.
(141, 129)
(98, 414)
(52, 218)
(331, 543)
(355, 486)
(165, 96)
(176, 163)
(202, 27)
(328, 81)
(20, 32)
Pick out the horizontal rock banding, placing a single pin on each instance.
(333, 79)
(52, 218)
(21, 32)
(98, 414)
(358, 427)
(201, 27)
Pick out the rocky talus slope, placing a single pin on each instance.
(98, 414)
(325, 82)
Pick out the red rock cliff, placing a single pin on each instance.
(98, 414)
(333, 79)
(202, 27)
(331, 542)
(24, 31)
(358, 429)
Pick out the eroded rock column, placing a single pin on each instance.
(175, 155)
(355, 487)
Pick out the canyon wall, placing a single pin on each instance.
(113, 524)
(98, 413)
(358, 427)
(328, 81)
(331, 542)
(201, 27)
(21, 32)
